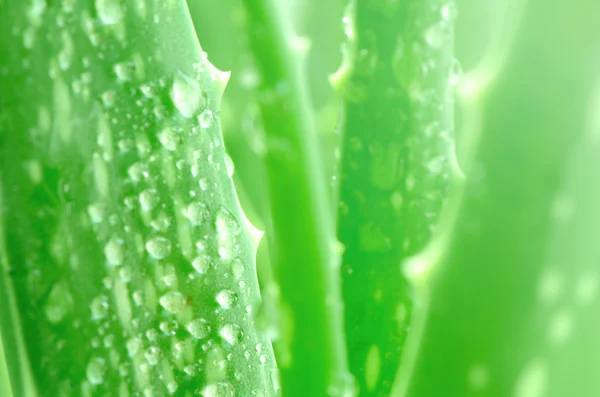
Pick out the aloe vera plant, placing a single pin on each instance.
(395, 262)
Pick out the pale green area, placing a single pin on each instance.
(5, 389)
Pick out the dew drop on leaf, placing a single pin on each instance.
(158, 247)
(169, 139)
(198, 328)
(96, 212)
(173, 302)
(449, 11)
(221, 389)
(187, 96)
(59, 303)
(133, 346)
(206, 118)
(152, 355)
(148, 199)
(95, 371)
(99, 308)
(123, 71)
(231, 333)
(113, 251)
(201, 263)
(226, 299)
(229, 166)
(196, 213)
(237, 269)
(435, 36)
(109, 11)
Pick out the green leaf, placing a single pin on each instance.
(127, 265)
(504, 295)
(310, 352)
(397, 165)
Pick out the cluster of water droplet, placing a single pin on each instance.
(175, 298)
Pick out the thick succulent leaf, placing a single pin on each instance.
(310, 351)
(127, 266)
(511, 290)
(397, 158)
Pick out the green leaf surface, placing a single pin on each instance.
(127, 266)
(310, 352)
(397, 127)
(508, 290)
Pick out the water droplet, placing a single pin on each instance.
(158, 247)
(108, 98)
(206, 118)
(435, 36)
(147, 91)
(221, 389)
(229, 166)
(237, 269)
(173, 302)
(138, 298)
(201, 263)
(96, 212)
(168, 327)
(65, 56)
(133, 346)
(172, 387)
(436, 164)
(137, 172)
(99, 308)
(152, 335)
(187, 95)
(113, 251)
(59, 303)
(227, 228)
(169, 139)
(36, 9)
(198, 328)
(449, 11)
(123, 71)
(152, 355)
(148, 199)
(196, 212)
(109, 11)
(231, 333)
(226, 298)
(95, 371)
(203, 183)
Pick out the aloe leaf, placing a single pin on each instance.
(311, 353)
(397, 156)
(221, 27)
(4, 379)
(508, 289)
(127, 264)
